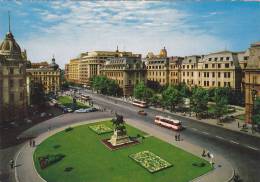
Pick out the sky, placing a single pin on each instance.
(67, 28)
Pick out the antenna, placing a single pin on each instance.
(9, 21)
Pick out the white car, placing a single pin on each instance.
(81, 111)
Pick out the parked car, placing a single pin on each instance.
(142, 112)
(81, 111)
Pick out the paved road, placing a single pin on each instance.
(243, 151)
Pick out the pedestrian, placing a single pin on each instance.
(30, 142)
(175, 137)
(33, 143)
(179, 137)
(203, 153)
(11, 163)
(238, 124)
(208, 154)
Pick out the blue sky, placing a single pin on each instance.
(66, 28)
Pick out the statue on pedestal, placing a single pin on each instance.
(120, 136)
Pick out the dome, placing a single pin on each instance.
(163, 53)
(9, 48)
(53, 64)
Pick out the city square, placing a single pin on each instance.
(129, 91)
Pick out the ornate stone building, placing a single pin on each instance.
(49, 75)
(252, 79)
(127, 70)
(13, 87)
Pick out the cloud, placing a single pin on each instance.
(72, 27)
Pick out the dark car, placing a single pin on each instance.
(142, 112)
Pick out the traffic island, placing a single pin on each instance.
(88, 158)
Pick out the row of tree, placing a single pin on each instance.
(174, 96)
(105, 86)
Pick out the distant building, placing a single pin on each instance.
(127, 70)
(13, 87)
(49, 75)
(252, 79)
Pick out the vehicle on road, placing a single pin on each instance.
(139, 103)
(142, 112)
(168, 123)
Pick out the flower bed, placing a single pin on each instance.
(150, 161)
(100, 129)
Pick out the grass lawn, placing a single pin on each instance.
(67, 101)
(92, 161)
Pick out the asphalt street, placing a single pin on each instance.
(242, 151)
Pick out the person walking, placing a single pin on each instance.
(238, 125)
(33, 143)
(203, 153)
(179, 137)
(30, 142)
(11, 163)
(176, 137)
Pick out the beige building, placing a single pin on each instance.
(72, 71)
(127, 70)
(48, 75)
(158, 67)
(252, 79)
(87, 65)
(175, 70)
(13, 88)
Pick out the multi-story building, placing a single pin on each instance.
(48, 75)
(72, 71)
(126, 70)
(158, 67)
(87, 65)
(13, 92)
(220, 69)
(39, 65)
(189, 70)
(175, 70)
(252, 79)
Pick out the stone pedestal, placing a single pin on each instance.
(119, 139)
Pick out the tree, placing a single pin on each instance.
(105, 86)
(199, 101)
(220, 108)
(37, 94)
(184, 89)
(142, 92)
(171, 97)
(155, 100)
(256, 111)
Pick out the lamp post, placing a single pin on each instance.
(253, 94)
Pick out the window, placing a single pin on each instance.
(205, 83)
(213, 83)
(213, 74)
(213, 65)
(191, 73)
(21, 83)
(188, 73)
(11, 83)
(21, 95)
(183, 73)
(221, 58)
(219, 74)
(188, 66)
(219, 65)
(209, 59)
(11, 98)
(228, 74)
(245, 58)
(218, 84)
(215, 59)
(206, 65)
(199, 74)
(225, 75)
(208, 74)
(227, 58)
(11, 71)
(205, 74)
(227, 65)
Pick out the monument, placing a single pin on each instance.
(120, 136)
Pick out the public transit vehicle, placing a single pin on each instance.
(168, 123)
(139, 103)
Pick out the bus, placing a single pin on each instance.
(139, 103)
(168, 123)
(84, 97)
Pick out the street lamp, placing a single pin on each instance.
(253, 94)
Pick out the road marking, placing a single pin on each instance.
(232, 141)
(220, 137)
(195, 129)
(206, 133)
(15, 162)
(251, 147)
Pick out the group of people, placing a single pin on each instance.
(32, 143)
(177, 137)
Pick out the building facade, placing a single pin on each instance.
(252, 80)
(72, 71)
(13, 87)
(49, 75)
(127, 70)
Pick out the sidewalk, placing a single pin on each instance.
(26, 171)
(233, 125)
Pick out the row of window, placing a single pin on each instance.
(156, 73)
(219, 58)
